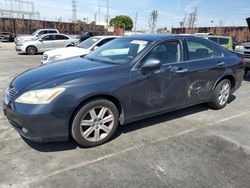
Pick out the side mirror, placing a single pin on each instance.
(151, 64)
(95, 48)
(41, 40)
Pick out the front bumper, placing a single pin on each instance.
(20, 49)
(39, 123)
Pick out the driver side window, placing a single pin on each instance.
(166, 52)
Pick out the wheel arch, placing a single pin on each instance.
(230, 77)
(110, 98)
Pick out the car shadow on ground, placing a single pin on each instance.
(71, 144)
(24, 54)
(247, 77)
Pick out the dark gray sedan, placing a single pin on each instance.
(128, 79)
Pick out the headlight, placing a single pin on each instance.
(43, 96)
(55, 57)
(237, 47)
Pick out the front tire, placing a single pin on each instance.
(31, 50)
(221, 95)
(95, 123)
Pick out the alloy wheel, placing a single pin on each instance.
(224, 93)
(97, 123)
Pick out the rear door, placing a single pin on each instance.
(61, 41)
(206, 65)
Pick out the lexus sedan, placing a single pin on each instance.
(125, 80)
(44, 43)
(81, 49)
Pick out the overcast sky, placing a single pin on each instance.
(170, 11)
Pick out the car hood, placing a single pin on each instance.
(67, 52)
(50, 75)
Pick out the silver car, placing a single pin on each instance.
(35, 35)
(45, 42)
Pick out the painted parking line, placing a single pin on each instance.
(42, 177)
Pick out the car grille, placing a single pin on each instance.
(247, 47)
(45, 57)
(11, 93)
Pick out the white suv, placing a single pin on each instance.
(35, 35)
(81, 49)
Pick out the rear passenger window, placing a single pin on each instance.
(223, 41)
(61, 37)
(199, 50)
(213, 39)
(52, 31)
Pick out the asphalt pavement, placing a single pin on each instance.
(193, 147)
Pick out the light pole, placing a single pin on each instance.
(107, 12)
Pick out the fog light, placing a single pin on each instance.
(24, 130)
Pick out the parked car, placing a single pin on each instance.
(83, 48)
(35, 35)
(128, 79)
(226, 42)
(244, 50)
(6, 37)
(44, 43)
(85, 35)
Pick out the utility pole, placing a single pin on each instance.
(95, 15)
(99, 14)
(74, 12)
(136, 15)
(107, 12)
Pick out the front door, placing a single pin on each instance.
(47, 43)
(158, 90)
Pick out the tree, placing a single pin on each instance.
(163, 30)
(122, 21)
(152, 21)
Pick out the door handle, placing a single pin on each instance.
(181, 71)
(221, 64)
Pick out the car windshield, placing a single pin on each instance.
(89, 42)
(118, 51)
(34, 33)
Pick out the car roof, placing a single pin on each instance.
(47, 29)
(158, 37)
(216, 36)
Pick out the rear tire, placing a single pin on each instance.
(95, 123)
(31, 50)
(221, 95)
